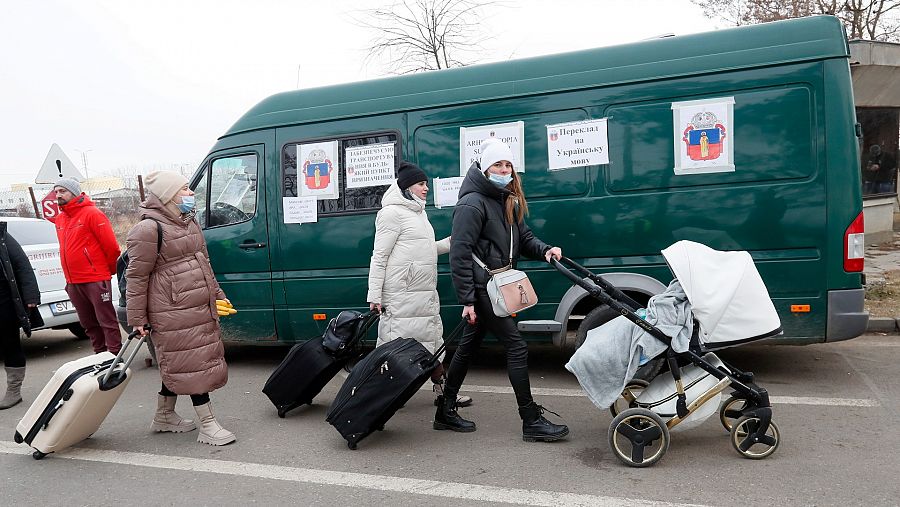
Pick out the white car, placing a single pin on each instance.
(38, 239)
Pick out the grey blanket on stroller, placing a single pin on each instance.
(611, 353)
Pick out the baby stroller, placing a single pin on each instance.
(729, 305)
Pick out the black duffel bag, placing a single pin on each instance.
(345, 330)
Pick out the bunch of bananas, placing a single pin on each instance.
(224, 308)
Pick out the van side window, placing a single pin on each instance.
(232, 189)
(350, 199)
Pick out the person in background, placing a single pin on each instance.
(19, 298)
(881, 172)
(492, 207)
(88, 251)
(174, 293)
(403, 268)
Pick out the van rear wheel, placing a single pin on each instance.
(603, 314)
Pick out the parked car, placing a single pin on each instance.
(38, 239)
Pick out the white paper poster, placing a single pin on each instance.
(470, 139)
(577, 144)
(299, 210)
(316, 176)
(446, 191)
(370, 165)
(704, 136)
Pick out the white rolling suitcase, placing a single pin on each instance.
(76, 400)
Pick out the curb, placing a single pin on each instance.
(883, 325)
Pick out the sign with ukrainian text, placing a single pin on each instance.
(370, 165)
(577, 144)
(470, 139)
(704, 136)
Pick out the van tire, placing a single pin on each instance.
(603, 314)
(79, 332)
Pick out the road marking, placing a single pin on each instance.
(454, 490)
(775, 400)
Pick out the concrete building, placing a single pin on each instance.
(875, 67)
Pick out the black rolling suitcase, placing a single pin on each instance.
(382, 383)
(309, 366)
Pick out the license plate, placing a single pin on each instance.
(62, 308)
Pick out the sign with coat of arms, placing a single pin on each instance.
(317, 170)
(704, 136)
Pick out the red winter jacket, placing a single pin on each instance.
(87, 244)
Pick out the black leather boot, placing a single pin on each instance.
(535, 428)
(446, 418)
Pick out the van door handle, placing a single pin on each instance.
(250, 244)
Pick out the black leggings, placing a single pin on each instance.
(10, 343)
(505, 329)
(196, 399)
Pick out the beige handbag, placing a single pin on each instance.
(510, 290)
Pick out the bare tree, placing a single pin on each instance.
(864, 19)
(420, 35)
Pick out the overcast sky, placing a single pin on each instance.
(153, 84)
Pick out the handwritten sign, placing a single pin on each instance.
(370, 165)
(299, 210)
(446, 191)
(577, 144)
(470, 139)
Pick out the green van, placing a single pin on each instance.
(739, 139)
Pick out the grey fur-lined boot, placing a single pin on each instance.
(14, 378)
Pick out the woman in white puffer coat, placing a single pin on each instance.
(403, 269)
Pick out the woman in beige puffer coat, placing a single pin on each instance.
(403, 268)
(174, 290)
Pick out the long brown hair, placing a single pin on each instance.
(517, 196)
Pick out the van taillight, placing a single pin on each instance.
(855, 245)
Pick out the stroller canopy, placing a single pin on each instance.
(727, 295)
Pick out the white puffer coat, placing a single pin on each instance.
(403, 272)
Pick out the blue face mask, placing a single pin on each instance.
(187, 204)
(499, 179)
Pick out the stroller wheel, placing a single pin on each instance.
(732, 410)
(638, 437)
(749, 442)
(632, 390)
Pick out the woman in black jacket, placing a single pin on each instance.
(492, 206)
(19, 298)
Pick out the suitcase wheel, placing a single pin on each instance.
(18, 438)
(38, 455)
(281, 413)
(351, 445)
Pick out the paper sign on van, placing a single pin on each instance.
(446, 191)
(300, 210)
(470, 139)
(577, 144)
(704, 136)
(369, 165)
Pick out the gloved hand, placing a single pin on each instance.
(224, 308)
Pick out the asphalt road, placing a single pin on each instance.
(837, 406)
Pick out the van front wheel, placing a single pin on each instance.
(603, 314)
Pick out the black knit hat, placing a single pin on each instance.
(409, 174)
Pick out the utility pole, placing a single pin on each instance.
(84, 162)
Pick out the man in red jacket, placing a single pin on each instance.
(88, 251)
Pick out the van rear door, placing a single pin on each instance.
(231, 209)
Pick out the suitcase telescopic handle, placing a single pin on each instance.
(453, 336)
(121, 354)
